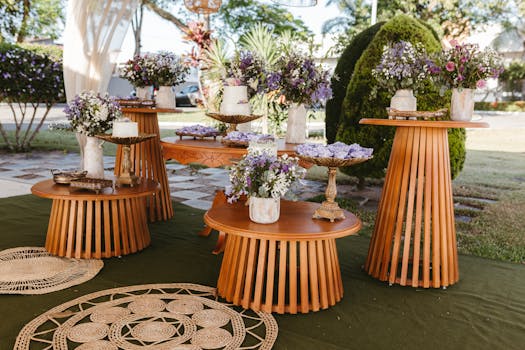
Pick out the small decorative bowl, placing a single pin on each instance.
(64, 177)
(92, 184)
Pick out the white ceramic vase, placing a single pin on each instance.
(404, 100)
(265, 210)
(93, 157)
(165, 97)
(296, 124)
(462, 104)
(143, 93)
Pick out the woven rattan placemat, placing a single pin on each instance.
(32, 270)
(171, 316)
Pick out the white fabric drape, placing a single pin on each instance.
(92, 39)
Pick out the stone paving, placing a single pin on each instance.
(190, 185)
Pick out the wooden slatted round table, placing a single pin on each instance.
(147, 160)
(87, 225)
(289, 266)
(414, 239)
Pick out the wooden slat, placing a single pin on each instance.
(234, 263)
(270, 274)
(71, 229)
(330, 274)
(116, 228)
(293, 277)
(124, 227)
(89, 229)
(435, 212)
(428, 201)
(107, 229)
(259, 281)
(303, 273)
(80, 229)
(250, 271)
(321, 270)
(314, 281)
(241, 271)
(443, 208)
(98, 230)
(281, 296)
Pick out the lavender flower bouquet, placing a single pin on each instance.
(197, 130)
(263, 175)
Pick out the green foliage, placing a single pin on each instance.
(358, 104)
(342, 74)
(505, 106)
(54, 52)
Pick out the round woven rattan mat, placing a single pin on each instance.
(32, 270)
(173, 316)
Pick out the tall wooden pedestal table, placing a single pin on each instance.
(289, 266)
(414, 239)
(84, 224)
(148, 161)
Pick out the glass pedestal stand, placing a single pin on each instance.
(329, 209)
(127, 175)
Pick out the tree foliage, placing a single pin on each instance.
(30, 18)
(358, 104)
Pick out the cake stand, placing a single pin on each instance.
(329, 209)
(233, 120)
(127, 175)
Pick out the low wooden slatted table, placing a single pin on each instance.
(414, 239)
(147, 160)
(286, 267)
(87, 225)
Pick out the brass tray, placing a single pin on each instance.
(92, 184)
(233, 119)
(425, 115)
(333, 162)
(64, 177)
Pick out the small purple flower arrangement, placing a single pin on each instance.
(337, 150)
(160, 69)
(138, 71)
(247, 136)
(299, 80)
(91, 113)
(247, 68)
(263, 175)
(402, 66)
(464, 66)
(198, 130)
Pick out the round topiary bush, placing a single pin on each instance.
(358, 104)
(342, 74)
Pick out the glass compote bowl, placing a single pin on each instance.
(329, 209)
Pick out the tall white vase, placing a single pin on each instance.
(93, 157)
(462, 104)
(265, 210)
(404, 100)
(143, 93)
(165, 97)
(296, 124)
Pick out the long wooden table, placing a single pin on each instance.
(83, 224)
(289, 266)
(414, 239)
(147, 161)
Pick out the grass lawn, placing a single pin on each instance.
(490, 191)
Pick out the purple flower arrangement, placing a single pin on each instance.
(338, 150)
(464, 66)
(402, 66)
(299, 80)
(246, 137)
(263, 175)
(161, 69)
(91, 114)
(248, 69)
(198, 129)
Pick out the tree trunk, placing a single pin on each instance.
(23, 25)
(166, 15)
(136, 24)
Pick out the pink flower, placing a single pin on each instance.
(480, 84)
(450, 66)
(454, 42)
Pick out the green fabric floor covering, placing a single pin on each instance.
(485, 310)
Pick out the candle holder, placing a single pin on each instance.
(233, 120)
(127, 175)
(329, 209)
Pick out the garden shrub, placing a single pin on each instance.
(358, 104)
(29, 81)
(342, 74)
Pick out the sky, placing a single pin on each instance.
(159, 34)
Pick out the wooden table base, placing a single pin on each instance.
(414, 240)
(280, 276)
(97, 229)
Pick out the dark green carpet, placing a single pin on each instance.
(485, 310)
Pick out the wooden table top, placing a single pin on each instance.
(424, 123)
(149, 110)
(213, 145)
(48, 189)
(295, 222)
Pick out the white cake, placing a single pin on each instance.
(125, 128)
(235, 101)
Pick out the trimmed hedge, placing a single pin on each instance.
(342, 74)
(358, 104)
